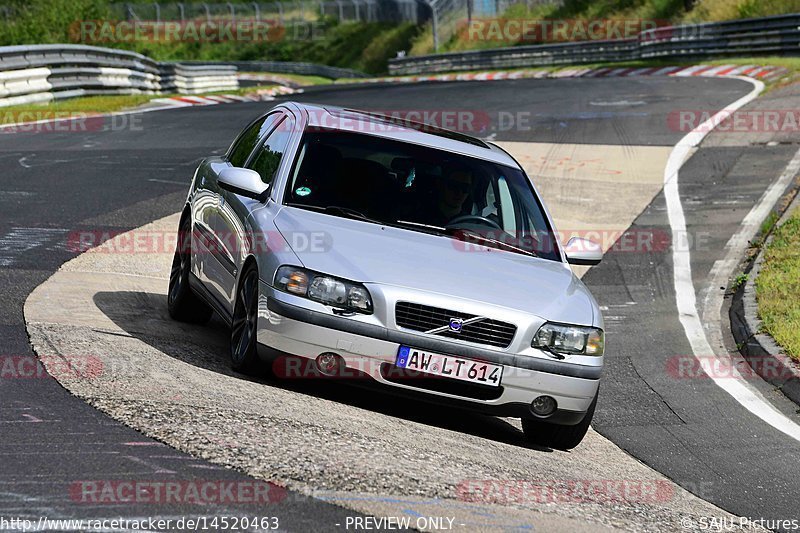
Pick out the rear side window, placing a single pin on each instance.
(243, 146)
(269, 156)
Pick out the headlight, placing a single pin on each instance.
(565, 339)
(324, 289)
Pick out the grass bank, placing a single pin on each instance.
(93, 105)
(661, 11)
(360, 46)
(89, 105)
(778, 286)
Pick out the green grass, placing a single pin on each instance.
(301, 79)
(768, 224)
(662, 11)
(738, 281)
(778, 286)
(360, 46)
(706, 10)
(792, 63)
(93, 105)
(89, 105)
(247, 90)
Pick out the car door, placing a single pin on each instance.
(204, 203)
(219, 264)
(235, 209)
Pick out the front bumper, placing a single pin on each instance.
(287, 327)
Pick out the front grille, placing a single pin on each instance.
(425, 318)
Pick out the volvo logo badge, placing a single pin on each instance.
(456, 324)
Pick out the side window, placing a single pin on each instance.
(269, 155)
(243, 146)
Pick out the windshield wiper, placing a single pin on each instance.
(338, 211)
(350, 213)
(426, 228)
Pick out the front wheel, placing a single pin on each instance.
(183, 304)
(557, 436)
(244, 356)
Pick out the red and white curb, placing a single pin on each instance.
(752, 71)
(213, 99)
(771, 73)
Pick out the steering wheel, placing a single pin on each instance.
(474, 218)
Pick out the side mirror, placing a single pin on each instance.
(243, 181)
(582, 251)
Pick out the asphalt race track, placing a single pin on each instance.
(689, 429)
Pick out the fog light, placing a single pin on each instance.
(543, 406)
(329, 363)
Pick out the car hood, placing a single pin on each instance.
(375, 254)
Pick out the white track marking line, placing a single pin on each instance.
(682, 274)
(724, 268)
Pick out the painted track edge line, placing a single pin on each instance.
(686, 299)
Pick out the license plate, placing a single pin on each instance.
(449, 366)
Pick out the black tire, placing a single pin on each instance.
(244, 353)
(557, 436)
(183, 304)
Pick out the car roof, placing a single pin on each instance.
(398, 128)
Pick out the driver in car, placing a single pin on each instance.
(451, 192)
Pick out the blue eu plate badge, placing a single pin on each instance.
(402, 356)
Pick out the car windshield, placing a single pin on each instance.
(422, 189)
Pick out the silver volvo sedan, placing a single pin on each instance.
(340, 243)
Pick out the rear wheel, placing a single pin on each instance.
(558, 436)
(244, 356)
(182, 302)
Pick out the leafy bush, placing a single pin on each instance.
(674, 11)
(362, 46)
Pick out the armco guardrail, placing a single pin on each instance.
(779, 35)
(40, 73)
(178, 77)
